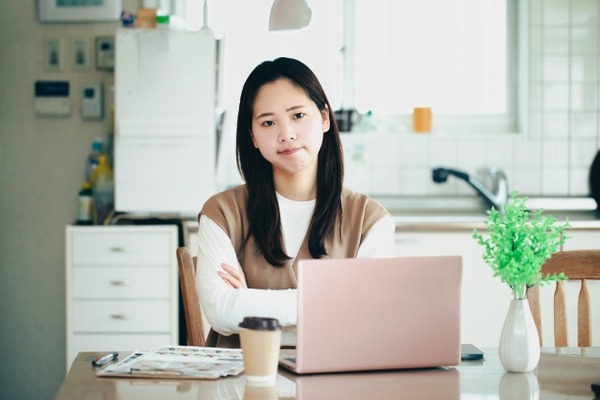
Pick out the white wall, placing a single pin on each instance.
(41, 170)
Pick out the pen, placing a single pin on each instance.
(104, 359)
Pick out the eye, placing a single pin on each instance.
(267, 123)
(299, 115)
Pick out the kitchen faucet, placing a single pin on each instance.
(496, 197)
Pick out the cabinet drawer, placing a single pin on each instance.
(121, 316)
(113, 247)
(121, 283)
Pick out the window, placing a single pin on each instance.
(456, 56)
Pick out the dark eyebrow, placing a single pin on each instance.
(295, 107)
(268, 114)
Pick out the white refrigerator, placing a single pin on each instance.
(165, 139)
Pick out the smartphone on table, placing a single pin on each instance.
(470, 352)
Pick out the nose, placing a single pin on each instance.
(286, 132)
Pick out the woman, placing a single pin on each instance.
(293, 205)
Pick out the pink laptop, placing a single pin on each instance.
(374, 314)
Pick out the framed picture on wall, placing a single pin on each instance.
(79, 10)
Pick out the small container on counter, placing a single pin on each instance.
(422, 119)
(85, 205)
(103, 191)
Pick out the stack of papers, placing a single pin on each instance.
(180, 362)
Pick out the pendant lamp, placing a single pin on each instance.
(289, 14)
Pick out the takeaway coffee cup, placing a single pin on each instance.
(260, 339)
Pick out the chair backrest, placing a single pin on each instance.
(580, 265)
(191, 303)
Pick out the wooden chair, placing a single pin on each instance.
(191, 303)
(577, 265)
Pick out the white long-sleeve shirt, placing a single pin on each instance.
(224, 307)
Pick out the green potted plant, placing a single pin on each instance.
(519, 242)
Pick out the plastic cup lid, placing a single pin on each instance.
(260, 323)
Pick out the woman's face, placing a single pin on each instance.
(287, 127)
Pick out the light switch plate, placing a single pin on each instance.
(80, 54)
(105, 52)
(54, 54)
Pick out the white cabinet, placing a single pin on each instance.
(485, 299)
(121, 288)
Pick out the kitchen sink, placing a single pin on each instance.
(443, 210)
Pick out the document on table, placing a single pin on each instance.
(178, 362)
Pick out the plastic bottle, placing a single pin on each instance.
(103, 190)
(92, 160)
(85, 205)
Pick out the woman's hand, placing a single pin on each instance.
(233, 277)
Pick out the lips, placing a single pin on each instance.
(289, 151)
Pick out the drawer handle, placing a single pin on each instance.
(121, 317)
(120, 283)
(118, 249)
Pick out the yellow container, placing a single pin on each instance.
(422, 119)
(146, 18)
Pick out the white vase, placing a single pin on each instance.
(519, 342)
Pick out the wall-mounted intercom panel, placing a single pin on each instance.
(105, 52)
(91, 101)
(52, 98)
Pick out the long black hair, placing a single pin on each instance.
(262, 208)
